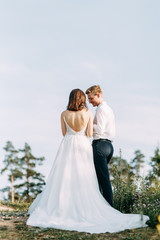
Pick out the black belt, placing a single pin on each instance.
(102, 139)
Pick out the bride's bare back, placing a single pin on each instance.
(77, 121)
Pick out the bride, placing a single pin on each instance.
(71, 199)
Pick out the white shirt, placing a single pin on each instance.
(104, 123)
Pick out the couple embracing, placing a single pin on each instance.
(78, 194)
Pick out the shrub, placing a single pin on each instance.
(124, 191)
(148, 203)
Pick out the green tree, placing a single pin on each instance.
(120, 166)
(137, 162)
(12, 163)
(155, 163)
(33, 180)
(122, 179)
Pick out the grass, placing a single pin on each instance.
(13, 227)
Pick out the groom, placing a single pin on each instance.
(103, 135)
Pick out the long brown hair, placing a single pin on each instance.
(77, 100)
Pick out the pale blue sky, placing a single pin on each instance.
(48, 48)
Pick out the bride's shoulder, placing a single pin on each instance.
(63, 114)
(89, 112)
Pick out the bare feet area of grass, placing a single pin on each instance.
(13, 227)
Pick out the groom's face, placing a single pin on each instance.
(93, 99)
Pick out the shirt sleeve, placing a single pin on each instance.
(99, 125)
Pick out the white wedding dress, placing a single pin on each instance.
(71, 199)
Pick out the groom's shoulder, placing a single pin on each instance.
(104, 107)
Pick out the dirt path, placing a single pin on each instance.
(5, 208)
(13, 227)
(9, 220)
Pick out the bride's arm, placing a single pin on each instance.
(63, 125)
(90, 125)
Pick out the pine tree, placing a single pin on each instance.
(155, 163)
(137, 162)
(122, 182)
(34, 181)
(120, 166)
(12, 163)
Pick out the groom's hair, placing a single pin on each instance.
(94, 90)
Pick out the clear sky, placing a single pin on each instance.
(49, 47)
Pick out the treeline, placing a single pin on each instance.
(27, 182)
(20, 165)
(134, 170)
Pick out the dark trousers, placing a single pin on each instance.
(102, 152)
